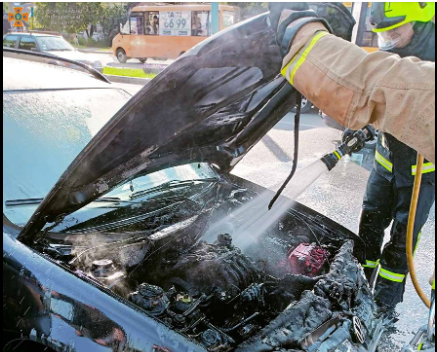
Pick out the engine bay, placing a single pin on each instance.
(296, 285)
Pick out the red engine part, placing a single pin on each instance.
(308, 260)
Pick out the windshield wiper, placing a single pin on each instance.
(138, 194)
(171, 185)
(36, 201)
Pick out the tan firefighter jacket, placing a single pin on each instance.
(356, 88)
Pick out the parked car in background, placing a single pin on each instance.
(53, 44)
(146, 242)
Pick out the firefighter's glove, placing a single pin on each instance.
(287, 18)
(346, 135)
(359, 137)
(370, 132)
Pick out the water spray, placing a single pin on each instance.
(352, 144)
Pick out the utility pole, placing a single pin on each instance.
(359, 12)
(215, 18)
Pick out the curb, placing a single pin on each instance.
(91, 51)
(128, 80)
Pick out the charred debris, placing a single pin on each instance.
(300, 287)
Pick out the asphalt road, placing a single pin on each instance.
(108, 59)
(337, 194)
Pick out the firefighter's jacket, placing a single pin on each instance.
(356, 88)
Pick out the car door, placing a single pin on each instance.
(28, 43)
(10, 41)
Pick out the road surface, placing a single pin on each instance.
(108, 59)
(338, 195)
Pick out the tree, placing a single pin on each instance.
(113, 14)
(250, 9)
(69, 17)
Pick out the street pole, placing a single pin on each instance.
(215, 18)
(359, 12)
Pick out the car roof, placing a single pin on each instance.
(27, 72)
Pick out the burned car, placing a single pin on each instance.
(147, 242)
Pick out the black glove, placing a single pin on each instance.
(367, 134)
(284, 18)
(335, 16)
(346, 135)
(338, 16)
(371, 133)
(276, 9)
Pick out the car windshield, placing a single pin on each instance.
(54, 44)
(150, 193)
(43, 132)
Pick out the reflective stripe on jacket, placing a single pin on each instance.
(356, 88)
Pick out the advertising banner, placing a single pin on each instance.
(177, 23)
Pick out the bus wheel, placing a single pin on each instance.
(143, 60)
(121, 56)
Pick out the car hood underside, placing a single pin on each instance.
(212, 105)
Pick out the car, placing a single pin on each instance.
(147, 242)
(51, 43)
(306, 106)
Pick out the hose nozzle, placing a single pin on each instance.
(353, 144)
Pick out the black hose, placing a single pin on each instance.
(296, 150)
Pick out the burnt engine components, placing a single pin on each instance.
(151, 298)
(223, 299)
(308, 259)
(204, 268)
(105, 272)
(212, 340)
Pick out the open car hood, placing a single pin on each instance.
(212, 105)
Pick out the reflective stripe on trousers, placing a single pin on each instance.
(371, 264)
(386, 164)
(392, 276)
(427, 168)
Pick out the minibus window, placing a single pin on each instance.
(152, 23)
(200, 23)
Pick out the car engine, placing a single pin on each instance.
(282, 293)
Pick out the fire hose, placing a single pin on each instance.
(425, 336)
(410, 231)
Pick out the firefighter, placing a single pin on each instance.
(353, 87)
(390, 186)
